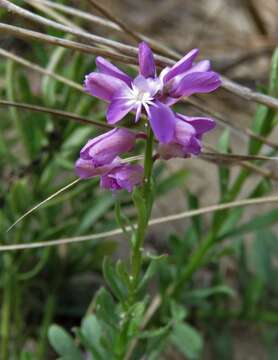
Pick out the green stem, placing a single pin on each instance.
(143, 202)
(6, 308)
(148, 164)
(136, 258)
(47, 319)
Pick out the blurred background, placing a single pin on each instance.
(238, 319)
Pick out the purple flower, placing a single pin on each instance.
(186, 78)
(85, 169)
(99, 157)
(187, 138)
(105, 148)
(125, 176)
(148, 92)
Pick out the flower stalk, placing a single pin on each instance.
(143, 213)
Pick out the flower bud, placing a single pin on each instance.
(105, 148)
(123, 177)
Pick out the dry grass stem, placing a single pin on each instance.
(161, 220)
(231, 86)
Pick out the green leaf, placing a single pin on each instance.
(26, 355)
(273, 83)
(78, 138)
(232, 220)
(111, 277)
(28, 124)
(63, 343)
(224, 171)
(19, 197)
(260, 255)
(188, 341)
(141, 207)
(196, 220)
(256, 223)
(106, 308)
(262, 125)
(215, 290)
(121, 218)
(262, 188)
(48, 83)
(122, 272)
(221, 342)
(92, 332)
(253, 293)
(162, 331)
(136, 314)
(150, 272)
(156, 344)
(178, 312)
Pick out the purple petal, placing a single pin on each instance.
(85, 168)
(105, 67)
(194, 146)
(162, 121)
(151, 86)
(200, 124)
(201, 66)
(138, 113)
(105, 148)
(118, 109)
(197, 82)
(146, 60)
(104, 86)
(129, 176)
(84, 152)
(184, 132)
(182, 65)
(109, 182)
(123, 177)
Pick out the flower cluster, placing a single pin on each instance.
(100, 157)
(152, 94)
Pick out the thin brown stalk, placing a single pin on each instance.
(216, 156)
(234, 127)
(52, 13)
(161, 220)
(34, 35)
(107, 14)
(256, 16)
(246, 57)
(40, 69)
(156, 45)
(248, 94)
(59, 113)
(135, 36)
(246, 164)
(235, 157)
(204, 109)
(79, 13)
(128, 160)
(81, 34)
(227, 84)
